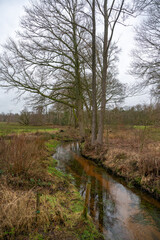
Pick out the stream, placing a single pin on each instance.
(119, 212)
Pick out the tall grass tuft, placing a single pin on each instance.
(18, 212)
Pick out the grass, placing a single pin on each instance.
(51, 145)
(28, 171)
(15, 128)
(153, 132)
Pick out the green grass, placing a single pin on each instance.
(151, 131)
(52, 145)
(15, 128)
(155, 134)
(140, 126)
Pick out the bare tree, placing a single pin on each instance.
(46, 61)
(94, 101)
(113, 12)
(146, 64)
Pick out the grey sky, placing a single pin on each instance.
(10, 13)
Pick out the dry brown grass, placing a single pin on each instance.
(22, 155)
(18, 212)
(150, 163)
(141, 153)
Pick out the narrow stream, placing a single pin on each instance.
(119, 212)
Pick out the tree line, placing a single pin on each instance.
(138, 115)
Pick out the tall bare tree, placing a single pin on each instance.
(113, 12)
(94, 102)
(46, 60)
(146, 64)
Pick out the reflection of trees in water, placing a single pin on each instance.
(102, 206)
(80, 177)
(92, 198)
(74, 147)
(150, 212)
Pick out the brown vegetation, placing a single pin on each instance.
(133, 155)
(22, 156)
(18, 212)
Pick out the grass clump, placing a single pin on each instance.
(18, 212)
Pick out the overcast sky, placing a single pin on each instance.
(10, 13)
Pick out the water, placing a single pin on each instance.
(119, 212)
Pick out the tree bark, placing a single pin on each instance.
(78, 84)
(94, 102)
(104, 78)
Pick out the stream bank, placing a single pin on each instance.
(138, 169)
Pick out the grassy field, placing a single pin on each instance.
(12, 128)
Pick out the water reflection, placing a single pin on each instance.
(119, 213)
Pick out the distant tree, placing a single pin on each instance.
(24, 118)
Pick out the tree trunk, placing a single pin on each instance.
(104, 78)
(94, 102)
(79, 95)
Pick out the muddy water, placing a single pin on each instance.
(119, 212)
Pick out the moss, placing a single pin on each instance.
(86, 230)
(77, 203)
(51, 145)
